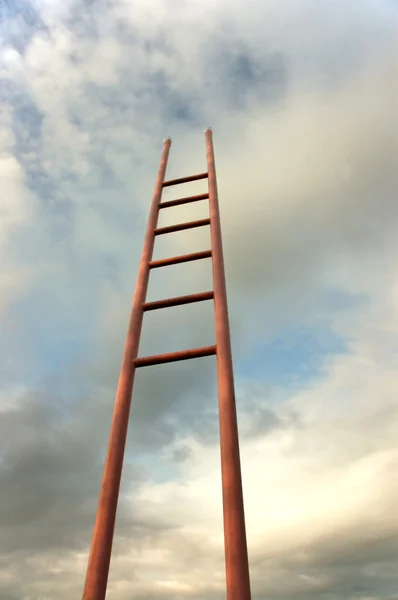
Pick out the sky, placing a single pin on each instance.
(301, 96)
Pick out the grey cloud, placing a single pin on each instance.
(258, 403)
(181, 454)
(238, 78)
(354, 569)
(52, 451)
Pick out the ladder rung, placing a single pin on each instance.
(174, 260)
(182, 226)
(186, 200)
(184, 179)
(178, 300)
(159, 359)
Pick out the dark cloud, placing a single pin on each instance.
(360, 566)
(52, 452)
(238, 78)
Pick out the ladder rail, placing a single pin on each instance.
(176, 260)
(186, 200)
(101, 545)
(184, 179)
(178, 301)
(235, 543)
(160, 359)
(182, 226)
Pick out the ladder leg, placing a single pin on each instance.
(236, 558)
(100, 554)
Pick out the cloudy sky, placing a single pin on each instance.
(302, 98)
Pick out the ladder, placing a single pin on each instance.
(236, 558)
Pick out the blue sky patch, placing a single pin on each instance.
(292, 358)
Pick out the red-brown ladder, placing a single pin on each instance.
(236, 560)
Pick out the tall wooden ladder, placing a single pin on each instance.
(236, 559)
